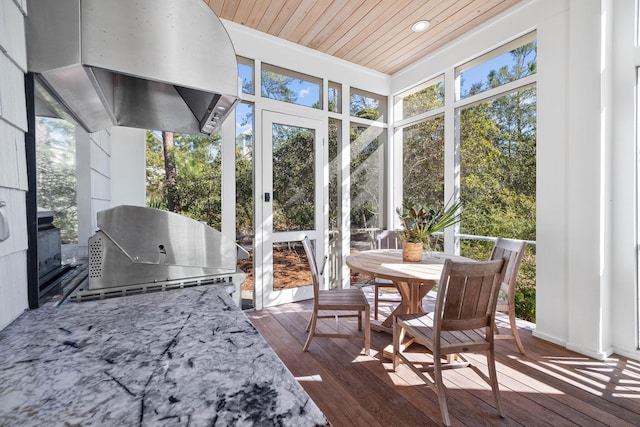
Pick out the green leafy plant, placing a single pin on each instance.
(419, 222)
(525, 302)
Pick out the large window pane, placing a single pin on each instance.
(509, 63)
(245, 73)
(423, 162)
(293, 178)
(56, 174)
(335, 127)
(367, 148)
(188, 179)
(335, 205)
(498, 181)
(368, 105)
(290, 86)
(335, 97)
(498, 166)
(244, 195)
(423, 98)
(244, 170)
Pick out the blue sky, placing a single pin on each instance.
(479, 72)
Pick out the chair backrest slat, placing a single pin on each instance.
(467, 294)
(511, 250)
(388, 239)
(464, 324)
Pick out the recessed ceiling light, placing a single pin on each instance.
(420, 26)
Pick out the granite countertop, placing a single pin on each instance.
(172, 358)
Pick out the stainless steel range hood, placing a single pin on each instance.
(152, 64)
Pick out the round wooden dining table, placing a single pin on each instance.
(412, 279)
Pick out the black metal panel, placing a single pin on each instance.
(33, 289)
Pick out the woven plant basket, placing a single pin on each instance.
(412, 251)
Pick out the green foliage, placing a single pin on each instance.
(525, 302)
(498, 179)
(498, 158)
(198, 176)
(276, 86)
(366, 171)
(368, 113)
(157, 203)
(424, 100)
(334, 135)
(423, 161)
(525, 284)
(527, 279)
(333, 99)
(244, 191)
(497, 170)
(56, 175)
(419, 223)
(293, 178)
(364, 107)
(155, 168)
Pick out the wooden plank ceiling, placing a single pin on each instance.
(372, 33)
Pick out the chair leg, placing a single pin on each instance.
(514, 331)
(375, 302)
(398, 336)
(312, 330)
(367, 330)
(491, 366)
(309, 322)
(440, 390)
(396, 344)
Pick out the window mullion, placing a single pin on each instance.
(451, 155)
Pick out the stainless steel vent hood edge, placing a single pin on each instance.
(157, 64)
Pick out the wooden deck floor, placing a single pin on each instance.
(549, 386)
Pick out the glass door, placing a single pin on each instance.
(290, 201)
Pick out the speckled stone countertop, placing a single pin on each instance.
(172, 358)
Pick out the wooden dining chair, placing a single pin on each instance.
(348, 302)
(462, 322)
(385, 239)
(513, 251)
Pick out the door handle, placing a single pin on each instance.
(267, 197)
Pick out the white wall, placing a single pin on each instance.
(13, 176)
(93, 165)
(111, 170)
(624, 221)
(93, 168)
(128, 166)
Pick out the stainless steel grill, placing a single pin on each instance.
(138, 249)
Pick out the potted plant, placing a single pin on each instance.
(419, 223)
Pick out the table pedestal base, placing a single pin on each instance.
(377, 325)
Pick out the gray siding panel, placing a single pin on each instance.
(13, 169)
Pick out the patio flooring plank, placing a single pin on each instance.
(347, 362)
(549, 386)
(571, 378)
(307, 370)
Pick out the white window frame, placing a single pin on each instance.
(451, 110)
